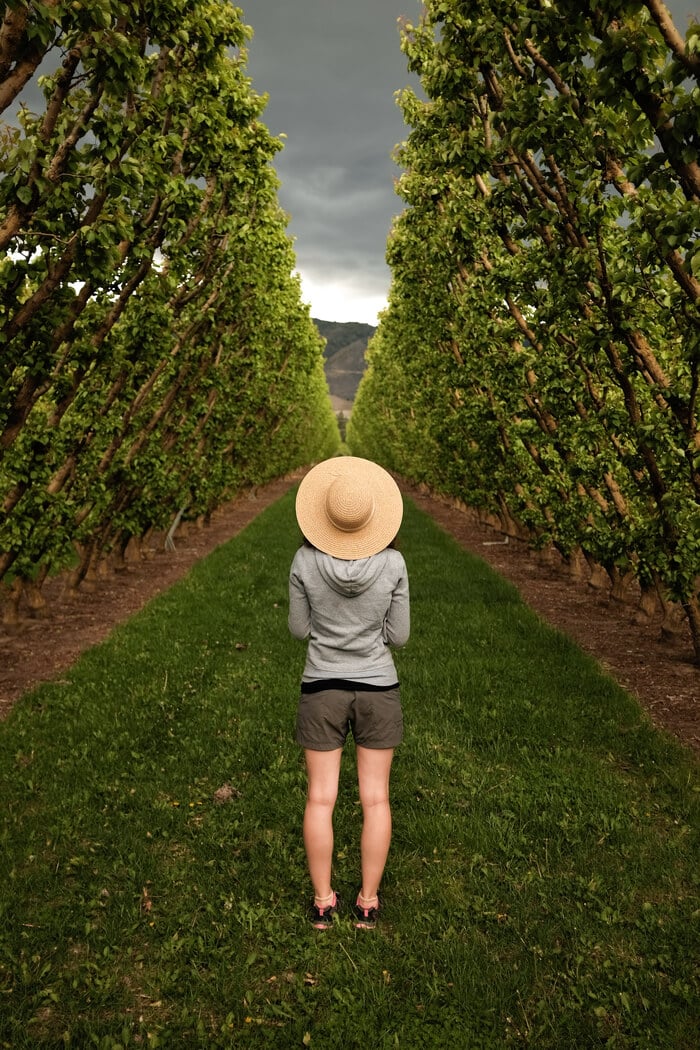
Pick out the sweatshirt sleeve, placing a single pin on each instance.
(299, 610)
(397, 625)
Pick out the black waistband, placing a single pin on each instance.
(343, 683)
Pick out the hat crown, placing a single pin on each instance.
(348, 507)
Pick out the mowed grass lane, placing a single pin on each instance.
(542, 888)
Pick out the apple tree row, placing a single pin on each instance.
(155, 354)
(539, 358)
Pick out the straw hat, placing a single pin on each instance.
(349, 507)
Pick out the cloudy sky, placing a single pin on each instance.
(331, 69)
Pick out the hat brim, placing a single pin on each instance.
(373, 537)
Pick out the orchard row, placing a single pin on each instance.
(155, 353)
(539, 356)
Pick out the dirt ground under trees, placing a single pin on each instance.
(660, 673)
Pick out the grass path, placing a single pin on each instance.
(543, 888)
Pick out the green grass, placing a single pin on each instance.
(542, 888)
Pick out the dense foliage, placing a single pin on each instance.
(156, 355)
(539, 357)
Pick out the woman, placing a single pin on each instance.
(348, 594)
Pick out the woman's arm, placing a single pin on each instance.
(397, 625)
(299, 610)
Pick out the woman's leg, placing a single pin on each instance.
(323, 770)
(373, 771)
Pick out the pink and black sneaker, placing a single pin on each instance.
(365, 918)
(322, 918)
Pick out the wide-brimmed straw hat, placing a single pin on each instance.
(349, 507)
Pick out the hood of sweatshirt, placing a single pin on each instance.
(350, 577)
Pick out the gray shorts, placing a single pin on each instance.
(374, 717)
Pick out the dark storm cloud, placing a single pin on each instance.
(332, 71)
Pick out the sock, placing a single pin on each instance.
(325, 902)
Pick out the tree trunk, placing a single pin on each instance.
(32, 590)
(692, 611)
(10, 611)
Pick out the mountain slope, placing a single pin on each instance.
(344, 355)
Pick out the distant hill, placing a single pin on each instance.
(344, 355)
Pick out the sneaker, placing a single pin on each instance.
(322, 918)
(365, 918)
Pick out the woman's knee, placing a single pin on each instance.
(323, 768)
(319, 795)
(372, 799)
(373, 771)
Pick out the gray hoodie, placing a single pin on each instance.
(351, 612)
